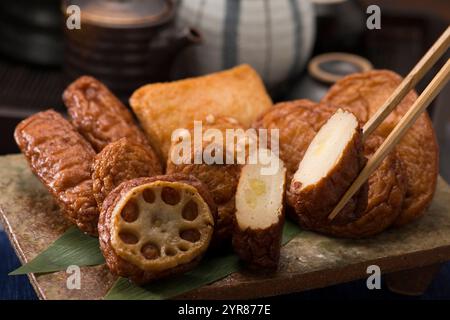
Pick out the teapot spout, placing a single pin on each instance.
(186, 37)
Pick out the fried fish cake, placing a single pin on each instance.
(151, 228)
(61, 158)
(99, 115)
(120, 161)
(386, 187)
(331, 163)
(363, 94)
(298, 122)
(220, 179)
(260, 215)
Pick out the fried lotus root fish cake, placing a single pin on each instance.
(120, 161)
(99, 115)
(151, 228)
(220, 179)
(260, 215)
(363, 94)
(331, 163)
(61, 159)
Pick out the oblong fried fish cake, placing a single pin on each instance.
(61, 158)
(99, 115)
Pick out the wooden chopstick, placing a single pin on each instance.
(422, 102)
(417, 73)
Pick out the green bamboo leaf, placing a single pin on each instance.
(210, 269)
(290, 230)
(76, 248)
(72, 248)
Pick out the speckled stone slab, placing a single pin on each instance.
(32, 221)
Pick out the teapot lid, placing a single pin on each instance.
(123, 14)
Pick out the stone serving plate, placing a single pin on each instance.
(408, 257)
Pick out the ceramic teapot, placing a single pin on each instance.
(274, 37)
(124, 43)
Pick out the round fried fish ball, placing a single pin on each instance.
(220, 179)
(120, 161)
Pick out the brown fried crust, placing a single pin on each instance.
(121, 267)
(99, 115)
(363, 94)
(221, 180)
(120, 161)
(260, 248)
(386, 192)
(61, 159)
(314, 203)
(298, 122)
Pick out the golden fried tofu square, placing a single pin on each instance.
(164, 107)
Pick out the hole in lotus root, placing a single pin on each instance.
(170, 196)
(190, 211)
(148, 195)
(191, 235)
(183, 247)
(150, 251)
(170, 252)
(131, 211)
(128, 237)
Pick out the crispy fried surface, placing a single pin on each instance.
(61, 159)
(122, 267)
(260, 248)
(298, 122)
(314, 203)
(220, 179)
(386, 193)
(164, 107)
(99, 115)
(120, 161)
(363, 94)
